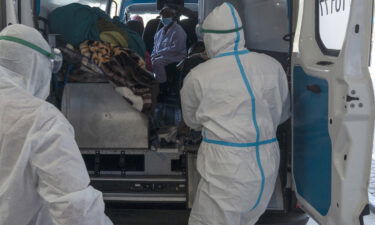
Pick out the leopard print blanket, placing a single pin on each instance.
(123, 68)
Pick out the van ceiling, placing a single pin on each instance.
(49, 5)
(151, 8)
(131, 2)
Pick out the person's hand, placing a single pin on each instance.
(155, 57)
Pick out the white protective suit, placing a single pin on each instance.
(238, 99)
(43, 179)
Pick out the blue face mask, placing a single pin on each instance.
(166, 21)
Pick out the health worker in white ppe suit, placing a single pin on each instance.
(43, 179)
(238, 98)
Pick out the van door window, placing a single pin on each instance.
(115, 8)
(149, 16)
(333, 17)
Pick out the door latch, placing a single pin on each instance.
(350, 98)
(314, 88)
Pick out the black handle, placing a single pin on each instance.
(324, 63)
(288, 37)
(314, 88)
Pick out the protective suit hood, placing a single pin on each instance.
(22, 66)
(220, 30)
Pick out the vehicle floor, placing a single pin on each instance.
(176, 216)
(368, 220)
(172, 217)
(148, 217)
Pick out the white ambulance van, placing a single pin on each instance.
(326, 146)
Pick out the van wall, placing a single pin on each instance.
(3, 11)
(11, 11)
(265, 21)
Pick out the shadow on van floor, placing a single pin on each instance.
(148, 216)
(121, 215)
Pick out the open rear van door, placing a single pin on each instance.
(333, 109)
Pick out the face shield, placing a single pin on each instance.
(55, 56)
(198, 32)
(57, 61)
